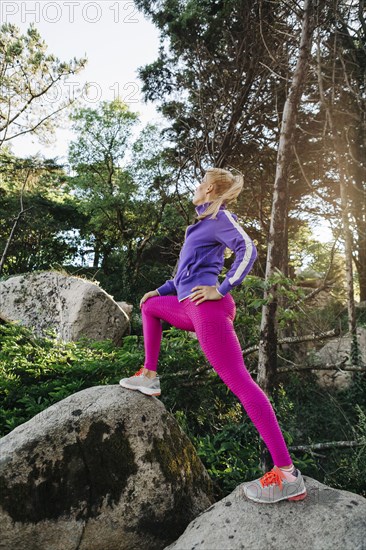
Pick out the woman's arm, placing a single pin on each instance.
(230, 233)
(167, 288)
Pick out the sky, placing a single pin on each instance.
(113, 35)
(116, 39)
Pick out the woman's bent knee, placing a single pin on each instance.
(149, 303)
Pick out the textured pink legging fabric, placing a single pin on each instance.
(212, 321)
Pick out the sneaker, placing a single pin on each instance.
(148, 386)
(274, 486)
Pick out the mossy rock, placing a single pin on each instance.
(105, 468)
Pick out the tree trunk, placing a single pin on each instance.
(340, 159)
(358, 196)
(267, 356)
(267, 360)
(347, 245)
(96, 256)
(354, 66)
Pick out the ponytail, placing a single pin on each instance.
(227, 188)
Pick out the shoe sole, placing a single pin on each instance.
(300, 496)
(142, 389)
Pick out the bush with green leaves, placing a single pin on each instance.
(37, 372)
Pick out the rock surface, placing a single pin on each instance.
(104, 469)
(327, 519)
(73, 306)
(334, 351)
(127, 308)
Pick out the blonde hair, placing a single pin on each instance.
(227, 187)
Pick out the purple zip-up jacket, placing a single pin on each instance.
(201, 258)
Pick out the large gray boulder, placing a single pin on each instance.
(72, 305)
(104, 469)
(335, 351)
(327, 519)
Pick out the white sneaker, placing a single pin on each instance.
(274, 486)
(138, 381)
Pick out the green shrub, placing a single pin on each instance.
(37, 372)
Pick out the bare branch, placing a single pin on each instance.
(327, 445)
(21, 213)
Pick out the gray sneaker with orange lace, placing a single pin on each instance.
(142, 383)
(275, 486)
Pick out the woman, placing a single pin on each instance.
(195, 301)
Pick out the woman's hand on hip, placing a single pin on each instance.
(204, 292)
(148, 295)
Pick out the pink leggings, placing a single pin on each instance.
(212, 321)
